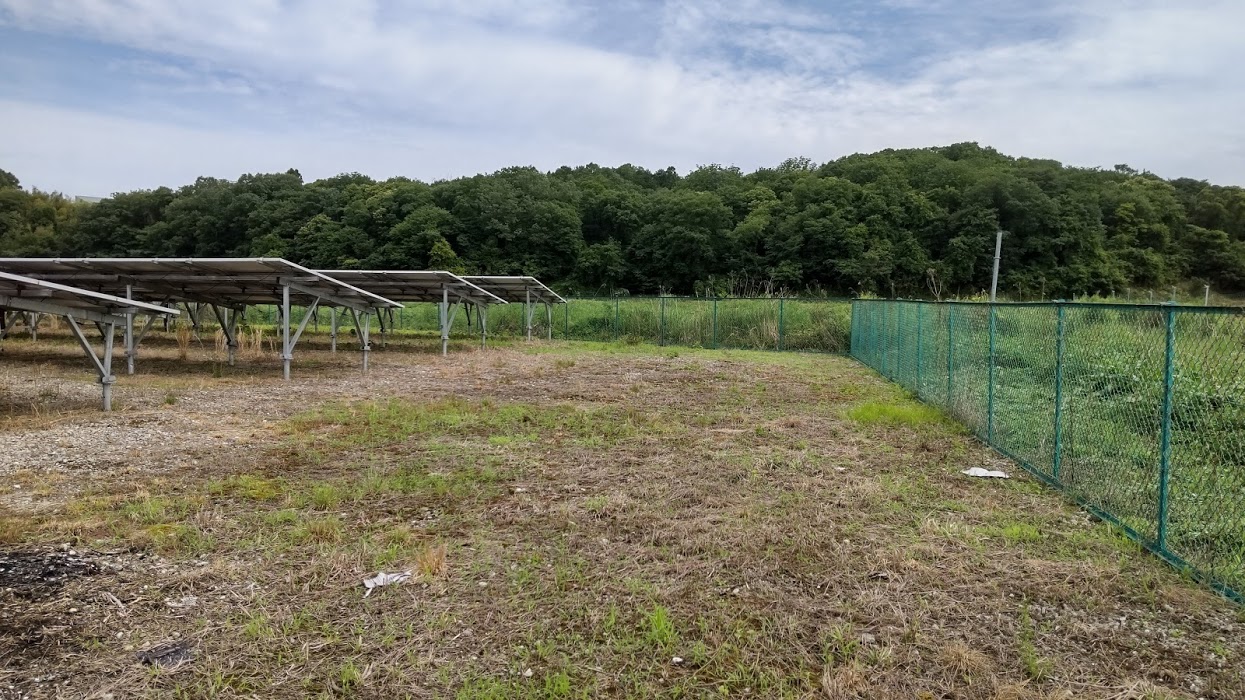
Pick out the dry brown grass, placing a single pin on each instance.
(184, 335)
(602, 519)
(431, 560)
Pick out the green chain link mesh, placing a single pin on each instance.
(1137, 412)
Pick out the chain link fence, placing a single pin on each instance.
(1137, 412)
(804, 325)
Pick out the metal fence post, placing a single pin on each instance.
(950, 356)
(879, 326)
(990, 382)
(566, 321)
(715, 322)
(780, 315)
(617, 320)
(920, 307)
(898, 366)
(853, 349)
(662, 339)
(1057, 461)
(1165, 440)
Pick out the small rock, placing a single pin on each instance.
(527, 673)
(677, 660)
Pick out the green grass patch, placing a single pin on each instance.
(248, 486)
(907, 413)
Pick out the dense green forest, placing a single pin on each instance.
(898, 222)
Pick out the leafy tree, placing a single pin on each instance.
(875, 222)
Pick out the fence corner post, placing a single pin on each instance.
(566, 320)
(1165, 440)
(851, 330)
(1057, 457)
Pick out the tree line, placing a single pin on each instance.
(916, 222)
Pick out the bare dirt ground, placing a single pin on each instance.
(578, 522)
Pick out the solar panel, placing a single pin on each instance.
(228, 282)
(515, 288)
(415, 285)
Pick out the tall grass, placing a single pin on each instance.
(809, 325)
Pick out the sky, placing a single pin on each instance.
(101, 96)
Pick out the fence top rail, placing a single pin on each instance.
(1071, 304)
(840, 300)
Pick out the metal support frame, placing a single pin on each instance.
(229, 326)
(527, 312)
(7, 319)
(332, 329)
(288, 342)
(443, 316)
(286, 349)
(103, 365)
(362, 327)
(549, 318)
(110, 321)
(129, 333)
(446, 314)
(482, 315)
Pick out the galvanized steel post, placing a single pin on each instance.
(715, 323)
(444, 313)
(1057, 461)
(1165, 438)
(920, 312)
(662, 339)
(367, 341)
(780, 319)
(332, 329)
(285, 330)
(527, 313)
(950, 357)
(990, 381)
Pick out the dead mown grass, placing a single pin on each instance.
(579, 522)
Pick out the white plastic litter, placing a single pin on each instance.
(985, 473)
(384, 579)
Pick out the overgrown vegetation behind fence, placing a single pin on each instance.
(1137, 412)
(806, 325)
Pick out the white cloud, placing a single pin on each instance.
(439, 89)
